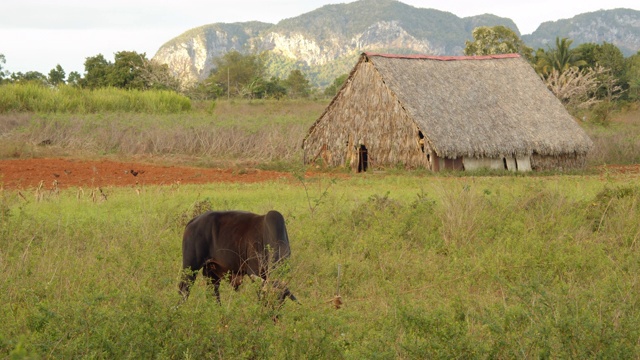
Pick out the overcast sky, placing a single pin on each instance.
(36, 35)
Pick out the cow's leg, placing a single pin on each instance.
(209, 271)
(215, 281)
(187, 278)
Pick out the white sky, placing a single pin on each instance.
(36, 35)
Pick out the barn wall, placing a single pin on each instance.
(365, 112)
(520, 163)
(562, 162)
(471, 163)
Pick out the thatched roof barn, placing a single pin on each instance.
(455, 112)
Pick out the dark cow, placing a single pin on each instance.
(237, 243)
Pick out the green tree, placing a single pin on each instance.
(130, 70)
(158, 76)
(610, 56)
(29, 76)
(125, 73)
(588, 54)
(297, 85)
(96, 72)
(74, 78)
(275, 89)
(207, 89)
(614, 82)
(234, 71)
(3, 73)
(332, 90)
(496, 40)
(255, 89)
(633, 77)
(561, 58)
(56, 76)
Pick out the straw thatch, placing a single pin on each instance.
(426, 111)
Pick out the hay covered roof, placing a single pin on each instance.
(480, 106)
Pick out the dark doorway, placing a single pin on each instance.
(363, 159)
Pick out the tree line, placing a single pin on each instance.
(244, 75)
(129, 70)
(235, 75)
(589, 75)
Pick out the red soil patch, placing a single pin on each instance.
(28, 173)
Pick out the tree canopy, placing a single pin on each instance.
(96, 69)
(244, 75)
(235, 71)
(3, 61)
(130, 70)
(56, 76)
(560, 58)
(297, 85)
(29, 76)
(496, 40)
(337, 83)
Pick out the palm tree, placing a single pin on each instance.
(561, 58)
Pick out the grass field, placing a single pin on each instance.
(474, 266)
(265, 133)
(268, 133)
(430, 267)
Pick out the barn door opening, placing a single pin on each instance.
(363, 159)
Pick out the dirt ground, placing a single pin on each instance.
(64, 173)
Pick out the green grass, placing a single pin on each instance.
(430, 267)
(32, 97)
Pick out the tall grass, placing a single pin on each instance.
(618, 140)
(131, 123)
(32, 97)
(530, 267)
(258, 132)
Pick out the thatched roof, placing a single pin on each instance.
(480, 106)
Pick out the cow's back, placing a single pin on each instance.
(234, 240)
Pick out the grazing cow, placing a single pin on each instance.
(237, 243)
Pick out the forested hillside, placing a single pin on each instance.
(325, 42)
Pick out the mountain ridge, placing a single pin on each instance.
(325, 43)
